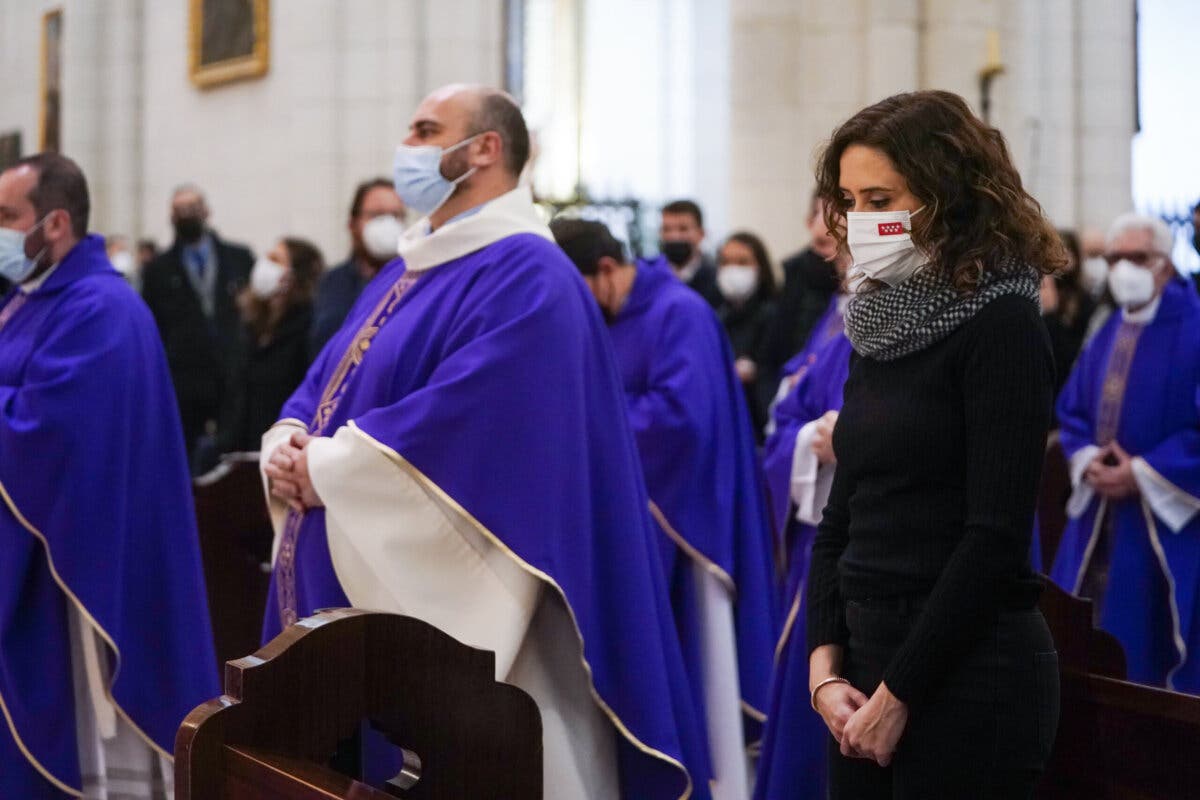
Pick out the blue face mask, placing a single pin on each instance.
(14, 265)
(417, 173)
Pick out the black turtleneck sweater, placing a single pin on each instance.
(939, 460)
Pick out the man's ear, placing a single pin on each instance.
(491, 148)
(58, 223)
(607, 265)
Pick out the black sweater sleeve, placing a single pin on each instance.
(1007, 390)
(825, 615)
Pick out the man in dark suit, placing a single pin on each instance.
(680, 236)
(191, 290)
(375, 225)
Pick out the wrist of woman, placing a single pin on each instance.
(821, 684)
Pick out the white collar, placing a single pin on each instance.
(507, 215)
(1143, 316)
(689, 270)
(31, 286)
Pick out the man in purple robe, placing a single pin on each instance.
(1130, 425)
(697, 449)
(104, 638)
(458, 452)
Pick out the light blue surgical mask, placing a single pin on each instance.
(15, 266)
(417, 173)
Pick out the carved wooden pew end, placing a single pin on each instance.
(281, 728)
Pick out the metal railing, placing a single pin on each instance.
(1177, 213)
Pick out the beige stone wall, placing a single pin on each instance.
(278, 155)
(1065, 103)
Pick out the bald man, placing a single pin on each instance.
(459, 452)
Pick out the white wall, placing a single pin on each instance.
(278, 155)
(725, 100)
(1065, 102)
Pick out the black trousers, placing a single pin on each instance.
(985, 731)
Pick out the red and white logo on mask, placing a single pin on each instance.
(891, 228)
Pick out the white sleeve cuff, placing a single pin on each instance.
(1169, 503)
(276, 436)
(810, 482)
(1082, 494)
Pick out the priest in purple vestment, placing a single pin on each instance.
(697, 449)
(1130, 425)
(105, 644)
(459, 453)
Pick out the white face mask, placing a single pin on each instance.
(1093, 273)
(881, 245)
(122, 262)
(381, 236)
(15, 266)
(417, 172)
(1131, 286)
(265, 278)
(737, 281)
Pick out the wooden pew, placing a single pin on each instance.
(292, 711)
(235, 545)
(1116, 740)
(1052, 499)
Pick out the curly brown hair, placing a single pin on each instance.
(978, 214)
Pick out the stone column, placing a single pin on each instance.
(1105, 98)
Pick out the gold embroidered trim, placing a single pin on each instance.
(335, 389)
(789, 623)
(709, 566)
(103, 634)
(1091, 546)
(1176, 627)
(432, 488)
(1116, 379)
(1158, 478)
(683, 544)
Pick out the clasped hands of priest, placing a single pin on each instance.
(288, 473)
(1110, 473)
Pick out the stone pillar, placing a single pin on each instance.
(893, 48)
(1105, 97)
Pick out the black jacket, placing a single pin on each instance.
(336, 294)
(809, 283)
(749, 326)
(264, 377)
(200, 351)
(705, 282)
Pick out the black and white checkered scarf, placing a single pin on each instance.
(895, 321)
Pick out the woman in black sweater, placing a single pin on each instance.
(929, 660)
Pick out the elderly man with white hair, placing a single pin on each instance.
(1130, 416)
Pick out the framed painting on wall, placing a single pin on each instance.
(10, 149)
(49, 116)
(228, 40)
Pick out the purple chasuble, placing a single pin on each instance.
(697, 450)
(492, 376)
(828, 327)
(1140, 386)
(96, 516)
